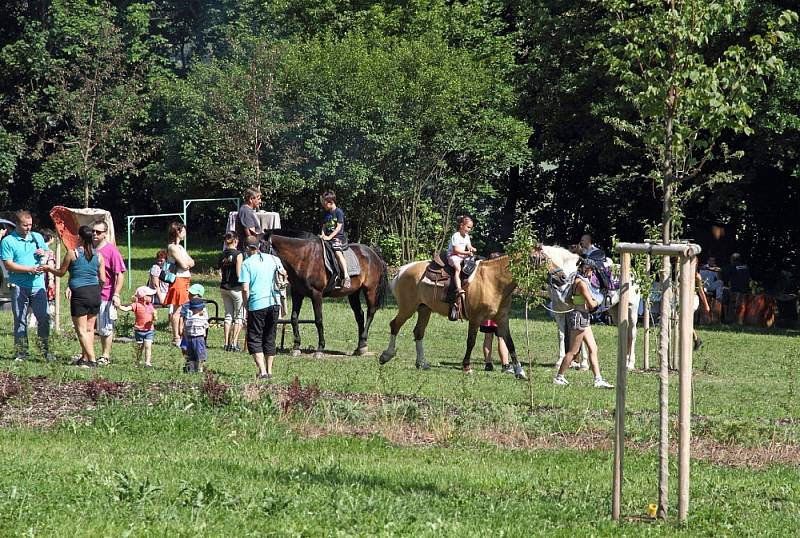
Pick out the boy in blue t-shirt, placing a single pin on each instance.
(333, 232)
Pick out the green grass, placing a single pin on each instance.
(175, 465)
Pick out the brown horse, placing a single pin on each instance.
(302, 256)
(488, 296)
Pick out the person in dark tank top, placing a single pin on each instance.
(86, 277)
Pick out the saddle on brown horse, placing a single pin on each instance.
(440, 274)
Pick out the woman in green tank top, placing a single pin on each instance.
(579, 328)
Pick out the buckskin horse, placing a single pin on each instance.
(302, 255)
(488, 296)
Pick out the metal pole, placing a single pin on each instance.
(185, 241)
(684, 411)
(130, 269)
(622, 372)
(647, 319)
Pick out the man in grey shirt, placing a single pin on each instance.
(247, 223)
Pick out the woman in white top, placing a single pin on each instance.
(179, 263)
(460, 247)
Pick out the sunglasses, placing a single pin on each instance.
(98, 232)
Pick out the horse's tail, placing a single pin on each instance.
(383, 281)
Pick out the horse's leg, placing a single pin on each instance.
(423, 316)
(297, 304)
(355, 304)
(504, 332)
(316, 300)
(404, 313)
(371, 296)
(471, 336)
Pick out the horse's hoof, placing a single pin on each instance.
(295, 353)
(422, 365)
(467, 370)
(318, 354)
(385, 357)
(360, 351)
(519, 373)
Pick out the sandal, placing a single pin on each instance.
(103, 361)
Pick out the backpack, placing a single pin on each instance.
(561, 286)
(167, 273)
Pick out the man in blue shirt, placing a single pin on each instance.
(263, 301)
(24, 254)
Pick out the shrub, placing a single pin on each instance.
(217, 392)
(10, 387)
(97, 387)
(300, 398)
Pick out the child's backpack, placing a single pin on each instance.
(561, 286)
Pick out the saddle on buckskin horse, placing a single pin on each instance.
(440, 274)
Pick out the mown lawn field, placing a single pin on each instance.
(387, 450)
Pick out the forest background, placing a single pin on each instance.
(413, 111)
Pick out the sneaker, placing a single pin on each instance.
(89, 364)
(148, 365)
(264, 377)
(103, 361)
(76, 360)
(560, 380)
(227, 347)
(235, 349)
(488, 367)
(507, 369)
(49, 357)
(519, 372)
(602, 384)
(20, 358)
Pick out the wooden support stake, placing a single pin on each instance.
(663, 395)
(684, 409)
(622, 372)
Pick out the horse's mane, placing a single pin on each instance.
(289, 232)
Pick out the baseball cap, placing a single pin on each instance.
(197, 289)
(197, 302)
(144, 291)
(252, 241)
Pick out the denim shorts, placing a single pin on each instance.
(143, 336)
(578, 320)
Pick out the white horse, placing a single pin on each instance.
(565, 260)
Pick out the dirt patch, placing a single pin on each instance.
(42, 403)
(702, 449)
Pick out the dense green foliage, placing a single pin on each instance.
(415, 112)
